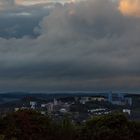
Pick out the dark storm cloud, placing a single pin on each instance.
(18, 21)
(83, 46)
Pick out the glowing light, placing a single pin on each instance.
(130, 7)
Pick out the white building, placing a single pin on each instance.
(63, 110)
(43, 105)
(16, 109)
(128, 111)
(43, 112)
(33, 105)
(99, 99)
(84, 100)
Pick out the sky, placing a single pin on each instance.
(69, 45)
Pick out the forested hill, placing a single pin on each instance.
(31, 125)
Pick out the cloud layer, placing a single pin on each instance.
(34, 2)
(89, 45)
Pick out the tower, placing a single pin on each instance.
(55, 102)
(110, 97)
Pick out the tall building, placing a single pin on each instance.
(55, 102)
(50, 107)
(110, 97)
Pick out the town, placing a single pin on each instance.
(78, 107)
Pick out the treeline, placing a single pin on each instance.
(31, 125)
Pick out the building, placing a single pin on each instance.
(116, 99)
(84, 100)
(63, 110)
(119, 99)
(16, 109)
(33, 104)
(128, 111)
(128, 101)
(43, 112)
(55, 102)
(50, 107)
(43, 105)
(98, 98)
